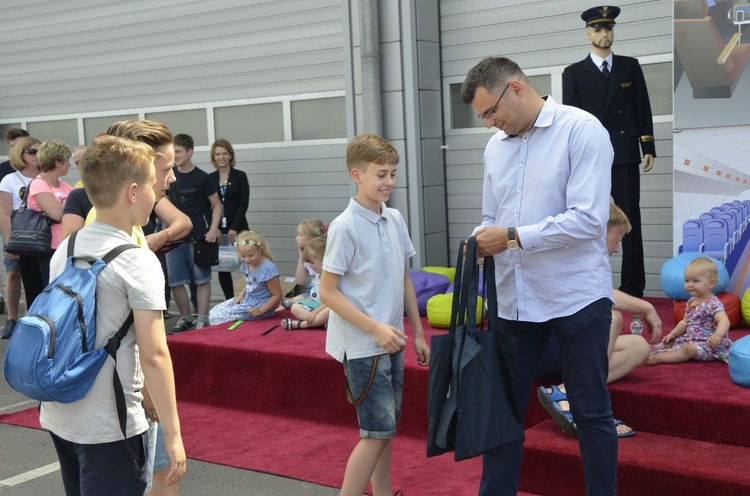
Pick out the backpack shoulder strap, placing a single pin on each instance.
(114, 252)
(111, 254)
(71, 243)
(113, 344)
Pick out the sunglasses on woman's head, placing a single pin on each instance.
(31, 151)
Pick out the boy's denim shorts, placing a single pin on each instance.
(379, 413)
(182, 269)
(12, 265)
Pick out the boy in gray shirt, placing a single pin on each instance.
(366, 284)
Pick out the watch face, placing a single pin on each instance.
(512, 244)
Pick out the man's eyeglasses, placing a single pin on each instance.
(490, 114)
(31, 151)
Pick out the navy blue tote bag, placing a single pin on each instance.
(471, 401)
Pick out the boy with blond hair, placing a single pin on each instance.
(119, 177)
(366, 284)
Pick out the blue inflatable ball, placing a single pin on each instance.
(673, 275)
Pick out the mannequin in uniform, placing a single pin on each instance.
(612, 88)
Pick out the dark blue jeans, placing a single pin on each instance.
(583, 339)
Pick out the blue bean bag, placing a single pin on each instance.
(673, 275)
(739, 361)
(426, 285)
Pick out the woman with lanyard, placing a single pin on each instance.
(234, 191)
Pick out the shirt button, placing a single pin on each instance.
(622, 132)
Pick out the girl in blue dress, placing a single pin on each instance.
(262, 292)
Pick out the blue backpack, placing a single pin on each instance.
(51, 355)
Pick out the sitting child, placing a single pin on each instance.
(702, 334)
(309, 311)
(307, 230)
(262, 292)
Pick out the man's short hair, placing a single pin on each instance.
(111, 162)
(489, 74)
(78, 153)
(16, 153)
(154, 134)
(185, 141)
(367, 149)
(51, 152)
(14, 133)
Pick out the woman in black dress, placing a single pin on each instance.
(234, 192)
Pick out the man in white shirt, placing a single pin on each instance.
(545, 207)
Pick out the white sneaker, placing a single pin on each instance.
(199, 324)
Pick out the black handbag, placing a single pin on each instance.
(471, 401)
(205, 253)
(30, 232)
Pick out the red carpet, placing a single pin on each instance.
(274, 402)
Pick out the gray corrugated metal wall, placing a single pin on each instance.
(540, 35)
(70, 57)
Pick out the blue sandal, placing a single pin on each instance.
(563, 418)
(627, 434)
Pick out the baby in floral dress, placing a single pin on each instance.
(702, 334)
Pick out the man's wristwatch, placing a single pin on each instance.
(512, 244)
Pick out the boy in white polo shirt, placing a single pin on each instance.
(366, 284)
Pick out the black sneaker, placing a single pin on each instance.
(8, 329)
(182, 326)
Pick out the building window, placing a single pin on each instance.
(93, 126)
(191, 122)
(659, 84)
(260, 123)
(322, 118)
(66, 130)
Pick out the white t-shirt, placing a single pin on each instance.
(369, 252)
(14, 184)
(134, 279)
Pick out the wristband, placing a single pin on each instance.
(169, 236)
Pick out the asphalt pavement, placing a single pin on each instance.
(29, 467)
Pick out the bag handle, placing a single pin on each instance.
(456, 309)
(470, 283)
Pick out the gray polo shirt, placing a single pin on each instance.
(369, 252)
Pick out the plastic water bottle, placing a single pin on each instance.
(636, 327)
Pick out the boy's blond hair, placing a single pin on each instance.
(311, 228)
(367, 149)
(704, 264)
(316, 248)
(16, 153)
(255, 238)
(618, 218)
(51, 152)
(111, 162)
